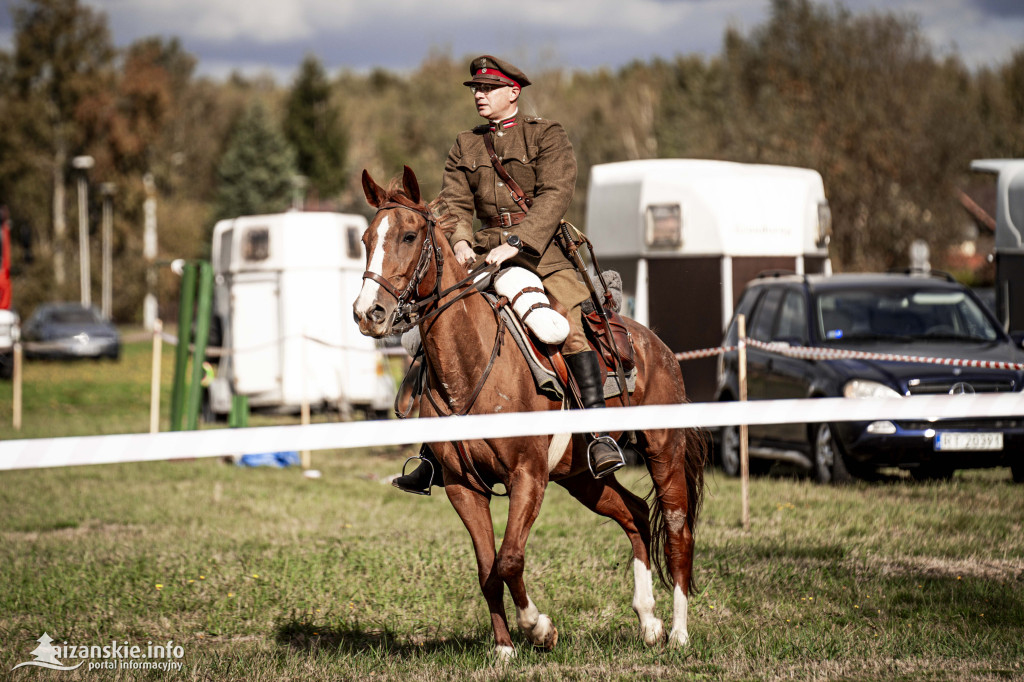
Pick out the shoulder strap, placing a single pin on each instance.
(524, 202)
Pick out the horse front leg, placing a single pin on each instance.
(475, 511)
(526, 492)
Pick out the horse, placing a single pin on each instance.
(411, 266)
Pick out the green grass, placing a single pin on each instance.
(266, 575)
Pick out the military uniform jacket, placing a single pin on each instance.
(537, 154)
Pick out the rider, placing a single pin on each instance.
(537, 153)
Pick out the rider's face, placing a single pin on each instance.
(495, 104)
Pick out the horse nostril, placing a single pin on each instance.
(377, 314)
(355, 316)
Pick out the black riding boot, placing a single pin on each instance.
(428, 473)
(604, 453)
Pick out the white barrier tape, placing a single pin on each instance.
(836, 354)
(839, 354)
(705, 353)
(54, 452)
(218, 351)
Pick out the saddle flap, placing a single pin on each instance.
(622, 350)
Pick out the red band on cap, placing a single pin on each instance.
(489, 70)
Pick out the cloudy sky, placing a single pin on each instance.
(254, 36)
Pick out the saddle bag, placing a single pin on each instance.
(623, 342)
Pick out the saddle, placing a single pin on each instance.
(547, 364)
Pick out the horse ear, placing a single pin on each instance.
(412, 186)
(374, 193)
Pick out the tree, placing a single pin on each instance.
(257, 172)
(62, 53)
(862, 100)
(313, 126)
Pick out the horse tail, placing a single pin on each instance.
(694, 461)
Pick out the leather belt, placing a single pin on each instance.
(504, 220)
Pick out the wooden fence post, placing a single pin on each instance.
(741, 325)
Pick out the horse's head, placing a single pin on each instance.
(399, 254)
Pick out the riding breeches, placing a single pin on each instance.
(566, 287)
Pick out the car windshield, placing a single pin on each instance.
(902, 315)
(74, 316)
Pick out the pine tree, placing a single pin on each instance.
(313, 125)
(257, 172)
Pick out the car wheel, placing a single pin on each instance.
(829, 465)
(729, 451)
(1017, 472)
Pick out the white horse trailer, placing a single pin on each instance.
(282, 313)
(687, 235)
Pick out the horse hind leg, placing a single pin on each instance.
(675, 459)
(608, 498)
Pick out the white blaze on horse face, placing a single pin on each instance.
(651, 628)
(679, 636)
(368, 292)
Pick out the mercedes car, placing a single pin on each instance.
(922, 314)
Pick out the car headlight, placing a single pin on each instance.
(859, 388)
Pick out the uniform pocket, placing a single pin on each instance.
(470, 162)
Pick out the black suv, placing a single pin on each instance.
(901, 314)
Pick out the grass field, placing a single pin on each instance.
(261, 574)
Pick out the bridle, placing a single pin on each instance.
(407, 313)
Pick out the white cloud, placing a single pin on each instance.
(229, 35)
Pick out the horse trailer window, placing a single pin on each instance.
(354, 245)
(257, 244)
(664, 226)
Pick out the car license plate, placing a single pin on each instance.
(952, 440)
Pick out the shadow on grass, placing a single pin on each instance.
(351, 640)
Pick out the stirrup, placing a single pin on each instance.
(590, 460)
(430, 481)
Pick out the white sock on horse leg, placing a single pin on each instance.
(679, 635)
(548, 325)
(651, 628)
(536, 625)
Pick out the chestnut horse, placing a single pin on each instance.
(409, 260)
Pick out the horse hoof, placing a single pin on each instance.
(505, 654)
(543, 634)
(653, 633)
(678, 639)
(550, 640)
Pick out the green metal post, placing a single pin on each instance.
(239, 417)
(195, 392)
(185, 304)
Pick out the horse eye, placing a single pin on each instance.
(409, 238)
